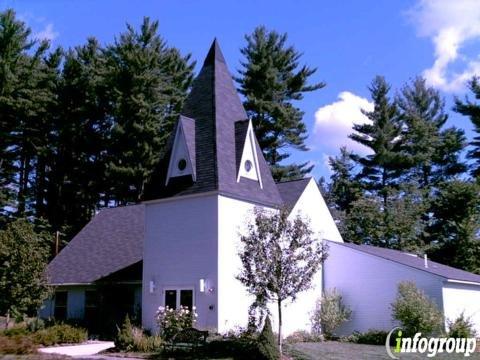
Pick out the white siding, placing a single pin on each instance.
(368, 285)
(458, 298)
(180, 248)
(233, 298)
(312, 206)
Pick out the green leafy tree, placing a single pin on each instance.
(330, 312)
(415, 311)
(23, 260)
(280, 258)
(472, 110)
(272, 79)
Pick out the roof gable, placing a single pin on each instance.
(182, 158)
(290, 191)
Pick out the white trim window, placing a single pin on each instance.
(173, 298)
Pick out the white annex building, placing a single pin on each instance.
(181, 247)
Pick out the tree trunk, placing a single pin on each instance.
(279, 303)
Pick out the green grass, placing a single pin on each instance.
(332, 350)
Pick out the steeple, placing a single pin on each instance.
(219, 124)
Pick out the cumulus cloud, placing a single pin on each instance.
(47, 33)
(450, 24)
(333, 122)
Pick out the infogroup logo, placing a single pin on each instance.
(429, 346)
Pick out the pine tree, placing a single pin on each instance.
(344, 188)
(272, 79)
(455, 225)
(433, 152)
(14, 59)
(472, 110)
(381, 170)
(142, 81)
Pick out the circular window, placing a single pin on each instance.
(182, 164)
(248, 165)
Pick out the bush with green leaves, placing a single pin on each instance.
(132, 338)
(16, 344)
(300, 336)
(267, 345)
(370, 337)
(172, 321)
(330, 312)
(461, 327)
(60, 334)
(415, 311)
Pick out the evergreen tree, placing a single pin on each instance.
(380, 171)
(455, 226)
(271, 79)
(143, 104)
(433, 152)
(472, 110)
(344, 188)
(14, 59)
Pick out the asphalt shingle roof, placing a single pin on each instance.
(416, 262)
(111, 241)
(216, 108)
(290, 191)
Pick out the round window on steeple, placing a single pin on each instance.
(182, 164)
(248, 165)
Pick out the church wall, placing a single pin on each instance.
(180, 249)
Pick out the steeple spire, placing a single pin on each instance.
(214, 54)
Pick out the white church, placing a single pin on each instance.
(181, 248)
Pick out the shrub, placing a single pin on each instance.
(415, 311)
(371, 337)
(35, 324)
(171, 321)
(461, 327)
(131, 338)
(267, 345)
(330, 312)
(60, 334)
(16, 344)
(16, 330)
(302, 336)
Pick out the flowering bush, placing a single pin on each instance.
(171, 321)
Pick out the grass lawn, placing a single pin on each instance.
(332, 350)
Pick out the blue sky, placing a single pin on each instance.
(348, 41)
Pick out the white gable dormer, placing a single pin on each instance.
(180, 159)
(249, 166)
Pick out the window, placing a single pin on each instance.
(182, 164)
(61, 301)
(179, 297)
(248, 165)
(91, 305)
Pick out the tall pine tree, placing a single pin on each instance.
(472, 110)
(272, 79)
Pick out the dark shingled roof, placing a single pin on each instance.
(111, 241)
(416, 262)
(216, 108)
(290, 191)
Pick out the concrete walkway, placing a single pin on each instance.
(79, 350)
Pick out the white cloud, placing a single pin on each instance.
(47, 33)
(450, 24)
(333, 122)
